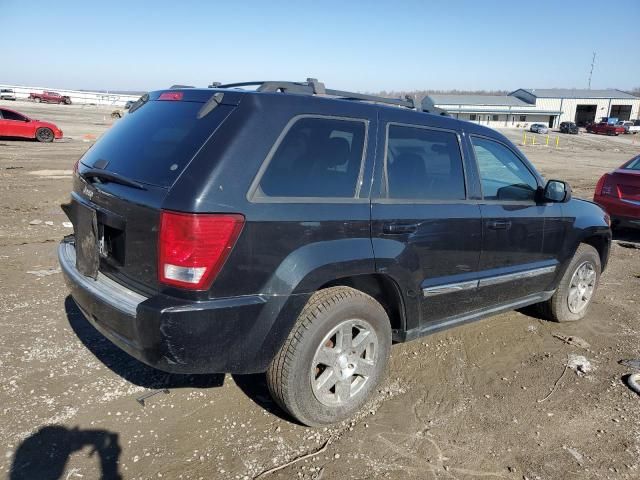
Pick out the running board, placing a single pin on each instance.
(402, 336)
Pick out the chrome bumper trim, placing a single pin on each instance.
(103, 288)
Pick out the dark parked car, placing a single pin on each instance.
(569, 127)
(300, 231)
(618, 192)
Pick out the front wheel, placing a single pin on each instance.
(37, 100)
(44, 135)
(576, 288)
(334, 357)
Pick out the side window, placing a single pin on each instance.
(502, 173)
(318, 157)
(424, 164)
(9, 115)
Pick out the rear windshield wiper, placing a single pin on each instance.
(110, 177)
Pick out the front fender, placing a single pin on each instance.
(589, 223)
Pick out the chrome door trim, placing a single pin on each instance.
(449, 288)
(510, 277)
(485, 282)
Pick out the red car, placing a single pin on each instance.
(618, 192)
(605, 128)
(14, 124)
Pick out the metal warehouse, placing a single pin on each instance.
(549, 106)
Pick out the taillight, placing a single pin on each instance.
(600, 184)
(608, 187)
(75, 166)
(192, 248)
(171, 96)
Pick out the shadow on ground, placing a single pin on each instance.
(136, 372)
(125, 365)
(627, 235)
(44, 454)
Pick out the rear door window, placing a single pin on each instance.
(317, 157)
(424, 164)
(156, 142)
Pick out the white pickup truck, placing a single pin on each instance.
(630, 126)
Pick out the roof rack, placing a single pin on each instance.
(313, 87)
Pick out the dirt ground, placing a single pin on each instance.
(462, 404)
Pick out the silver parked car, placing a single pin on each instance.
(539, 128)
(7, 94)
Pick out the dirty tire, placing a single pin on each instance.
(44, 135)
(293, 373)
(37, 100)
(557, 307)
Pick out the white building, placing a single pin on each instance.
(582, 106)
(493, 110)
(549, 106)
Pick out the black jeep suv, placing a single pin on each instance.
(299, 231)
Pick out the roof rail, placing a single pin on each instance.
(313, 87)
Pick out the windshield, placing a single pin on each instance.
(155, 143)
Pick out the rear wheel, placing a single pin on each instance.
(334, 357)
(577, 287)
(44, 135)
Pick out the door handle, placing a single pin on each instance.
(499, 224)
(399, 228)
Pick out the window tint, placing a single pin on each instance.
(502, 173)
(318, 157)
(155, 143)
(9, 115)
(424, 164)
(634, 165)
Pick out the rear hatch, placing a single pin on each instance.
(123, 180)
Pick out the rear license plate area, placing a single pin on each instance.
(87, 236)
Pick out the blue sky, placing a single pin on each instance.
(359, 45)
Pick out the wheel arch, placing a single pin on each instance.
(380, 287)
(602, 244)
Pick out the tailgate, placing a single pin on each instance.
(123, 180)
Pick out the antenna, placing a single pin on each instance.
(593, 62)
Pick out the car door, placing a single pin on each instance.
(13, 124)
(513, 263)
(426, 233)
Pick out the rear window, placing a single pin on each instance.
(634, 165)
(156, 142)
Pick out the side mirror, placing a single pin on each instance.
(557, 191)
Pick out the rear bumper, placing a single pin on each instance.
(229, 335)
(624, 213)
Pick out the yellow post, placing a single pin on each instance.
(547, 143)
(524, 137)
(557, 141)
(533, 140)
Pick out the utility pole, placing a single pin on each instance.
(593, 62)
